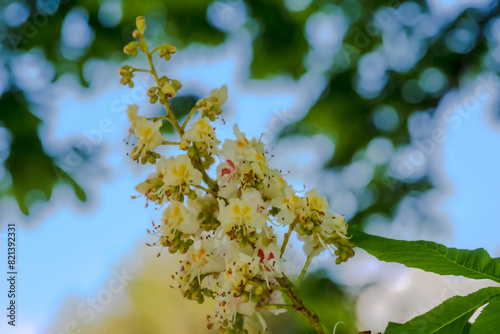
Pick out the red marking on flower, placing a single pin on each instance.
(231, 163)
(261, 255)
(225, 171)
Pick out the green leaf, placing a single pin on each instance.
(466, 329)
(489, 319)
(392, 325)
(430, 256)
(449, 317)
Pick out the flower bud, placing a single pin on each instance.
(255, 299)
(136, 33)
(309, 226)
(245, 297)
(259, 289)
(170, 48)
(168, 89)
(249, 286)
(152, 91)
(124, 70)
(153, 99)
(192, 195)
(130, 47)
(176, 84)
(140, 22)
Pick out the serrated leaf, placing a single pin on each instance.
(430, 256)
(489, 319)
(449, 317)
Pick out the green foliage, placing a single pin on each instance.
(33, 172)
(280, 46)
(430, 256)
(488, 320)
(453, 314)
(449, 317)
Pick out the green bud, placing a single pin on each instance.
(200, 299)
(177, 85)
(152, 91)
(317, 228)
(136, 33)
(172, 249)
(152, 159)
(191, 152)
(153, 99)
(192, 195)
(308, 226)
(252, 237)
(245, 297)
(259, 290)
(140, 22)
(130, 48)
(255, 299)
(301, 230)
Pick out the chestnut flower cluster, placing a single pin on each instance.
(224, 220)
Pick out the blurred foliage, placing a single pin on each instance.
(327, 299)
(281, 45)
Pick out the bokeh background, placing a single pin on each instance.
(389, 108)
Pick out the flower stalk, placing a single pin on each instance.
(221, 219)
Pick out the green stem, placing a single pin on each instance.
(140, 70)
(157, 118)
(306, 265)
(171, 117)
(191, 113)
(287, 237)
(276, 307)
(208, 191)
(170, 143)
(298, 304)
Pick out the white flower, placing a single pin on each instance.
(288, 205)
(148, 134)
(228, 307)
(200, 259)
(201, 132)
(219, 95)
(274, 184)
(247, 212)
(178, 217)
(179, 171)
(211, 106)
(269, 260)
(228, 176)
(242, 149)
